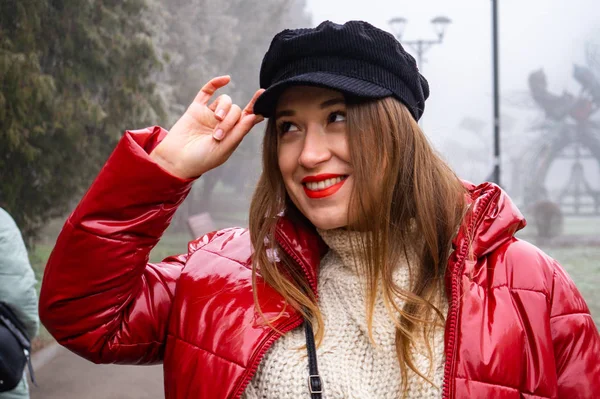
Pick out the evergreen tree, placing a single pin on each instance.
(74, 74)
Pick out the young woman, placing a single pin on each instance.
(361, 238)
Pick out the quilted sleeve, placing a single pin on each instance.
(100, 297)
(575, 339)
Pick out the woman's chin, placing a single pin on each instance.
(324, 221)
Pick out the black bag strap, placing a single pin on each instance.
(30, 368)
(315, 383)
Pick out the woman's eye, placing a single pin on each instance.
(336, 117)
(285, 127)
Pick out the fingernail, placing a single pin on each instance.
(219, 134)
(220, 113)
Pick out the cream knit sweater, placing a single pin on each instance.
(349, 364)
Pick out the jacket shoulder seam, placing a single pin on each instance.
(216, 233)
(221, 255)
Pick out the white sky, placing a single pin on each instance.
(549, 34)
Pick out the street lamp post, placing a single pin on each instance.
(496, 84)
(420, 46)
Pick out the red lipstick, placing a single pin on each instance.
(324, 192)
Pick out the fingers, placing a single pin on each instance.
(244, 125)
(247, 121)
(210, 88)
(233, 116)
(221, 106)
(237, 123)
(249, 109)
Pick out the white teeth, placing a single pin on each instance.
(323, 184)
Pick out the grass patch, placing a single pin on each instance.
(581, 225)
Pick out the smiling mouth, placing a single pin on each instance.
(323, 186)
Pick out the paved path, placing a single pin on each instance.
(67, 376)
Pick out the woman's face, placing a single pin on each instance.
(313, 153)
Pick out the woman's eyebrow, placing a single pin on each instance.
(285, 112)
(333, 101)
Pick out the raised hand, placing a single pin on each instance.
(206, 135)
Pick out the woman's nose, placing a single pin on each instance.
(315, 149)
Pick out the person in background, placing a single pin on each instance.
(17, 287)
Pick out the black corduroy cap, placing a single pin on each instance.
(355, 58)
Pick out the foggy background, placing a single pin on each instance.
(552, 35)
(66, 96)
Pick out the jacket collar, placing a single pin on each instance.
(492, 220)
(301, 241)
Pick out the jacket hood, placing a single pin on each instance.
(492, 220)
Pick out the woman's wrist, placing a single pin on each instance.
(168, 165)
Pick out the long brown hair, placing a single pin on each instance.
(407, 199)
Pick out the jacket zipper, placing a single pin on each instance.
(311, 280)
(275, 335)
(449, 366)
(451, 347)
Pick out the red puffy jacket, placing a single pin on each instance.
(516, 328)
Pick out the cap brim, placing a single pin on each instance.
(266, 103)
